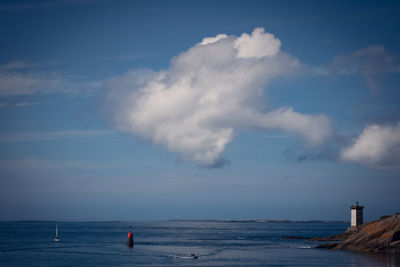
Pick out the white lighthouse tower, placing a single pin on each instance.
(356, 215)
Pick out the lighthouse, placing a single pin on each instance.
(356, 215)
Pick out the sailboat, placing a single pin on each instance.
(57, 239)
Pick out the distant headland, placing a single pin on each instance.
(266, 221)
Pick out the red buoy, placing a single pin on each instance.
(130, 240)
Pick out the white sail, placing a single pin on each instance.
(57, 239)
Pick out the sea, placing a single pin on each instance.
(171, 243)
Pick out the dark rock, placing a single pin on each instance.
(376, 236)
(395, 237)
(327, 245)
(339, 237)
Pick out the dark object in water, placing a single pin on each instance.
(293, 237)
(129, 243)
(194, 256)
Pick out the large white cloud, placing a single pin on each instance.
(208, 93)
(377, 145)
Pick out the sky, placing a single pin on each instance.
(158, 110)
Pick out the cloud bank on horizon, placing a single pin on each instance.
(209, 93)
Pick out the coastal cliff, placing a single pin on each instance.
(377, 236)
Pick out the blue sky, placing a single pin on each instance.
(121, 110)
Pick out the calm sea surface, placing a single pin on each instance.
(169, 243)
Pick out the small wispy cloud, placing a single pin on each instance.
(19, 104)
(26, 104)
(17, 83)
(17, 65)
(54, 135)
(329, 151)
(371, 63)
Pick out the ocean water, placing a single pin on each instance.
(169, 243)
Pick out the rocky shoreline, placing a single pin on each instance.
(377, 236)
